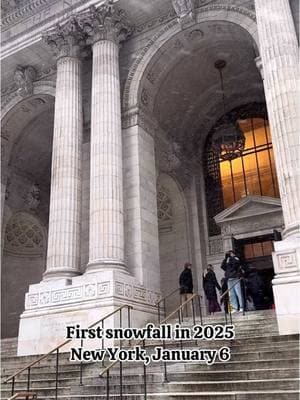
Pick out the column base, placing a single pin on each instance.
(60, 273)
(106, 264)
(52, 305)
(286, 285)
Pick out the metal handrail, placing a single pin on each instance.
(56, 349)
(180, 307)
(167, 296)
(27, 394)
(105, 370)
(228, 290)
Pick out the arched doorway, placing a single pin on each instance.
(178, 88)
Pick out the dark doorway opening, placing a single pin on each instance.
(256, 254)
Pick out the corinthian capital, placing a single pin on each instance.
(67, 39)
(106, 23)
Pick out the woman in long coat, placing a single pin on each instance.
(210, 284)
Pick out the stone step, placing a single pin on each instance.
(244, 385)
(184, 387)
(275, 373)
(229, 395)
(240, 395)
(235, 349)
(244, 365)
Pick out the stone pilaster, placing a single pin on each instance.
(279, 55)
(141, 222)
(106, 27)
(65, 199)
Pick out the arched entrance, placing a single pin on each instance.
(26, 170)
(174, 83)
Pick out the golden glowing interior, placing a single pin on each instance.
(254, 172)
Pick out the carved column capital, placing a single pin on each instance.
(67, 39)
(106, 23)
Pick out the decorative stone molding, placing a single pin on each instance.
(24, 78)
(41, 73)
(185, 11)
(215, 245)
(106, 23)
(32, 197)
(20, 10)
(90, 291)
(7, 188)
(164, 209)
(24, 236)
(67, 39)
(167, 157)
(227, 12)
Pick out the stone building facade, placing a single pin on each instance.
(107, 113)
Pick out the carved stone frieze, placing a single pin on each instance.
(105, 23)
(24, 78)
(67, 39)
(90, 291)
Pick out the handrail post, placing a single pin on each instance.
(200, 309)
(129, 322)
(158, 312)
(145, 376)
(107, 384)
(28, 380)
(121, 380)
(165, 364)
(193, 311)
(244, 295)
(121, 365)
(165, 311)
(102, 341)
(13, 386)
(179, 324)
(81, 365)
(56, 373)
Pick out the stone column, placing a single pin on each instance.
(279, 55)
(65, 199)
(106, 27)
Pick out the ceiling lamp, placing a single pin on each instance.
(228, 139)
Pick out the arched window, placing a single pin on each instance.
(253, 173)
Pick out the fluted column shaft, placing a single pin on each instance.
(279, 54)
(106, 245)
(65, 200)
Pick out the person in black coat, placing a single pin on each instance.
(210, 284)
(225, 297)
(186, 285)
(255, 288)
(233, 272)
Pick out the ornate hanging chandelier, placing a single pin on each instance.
(228, 139)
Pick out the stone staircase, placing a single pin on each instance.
(263, 365)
